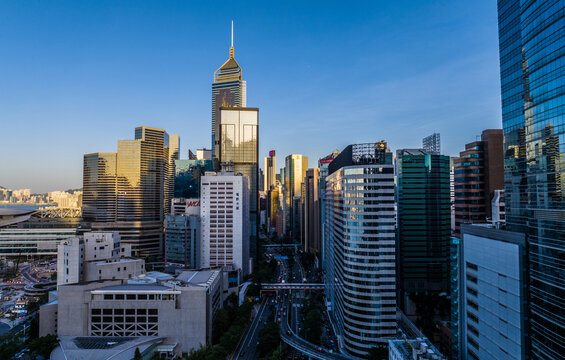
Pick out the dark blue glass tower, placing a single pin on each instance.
(532, 68)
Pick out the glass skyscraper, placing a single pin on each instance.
(532, 72)
(228, 89)
(239, 152)
(424, 224)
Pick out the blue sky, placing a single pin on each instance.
(77, 76)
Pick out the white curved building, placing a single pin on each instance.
(360, 230)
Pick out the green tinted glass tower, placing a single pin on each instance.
(424, 225)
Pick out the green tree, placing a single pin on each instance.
(378, 352)
(269, 338)
(43, 346)
(137, 354)
(220, 324)
(53, 276)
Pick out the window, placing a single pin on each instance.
(108, 297)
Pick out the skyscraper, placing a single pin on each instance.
(270, 166)
(238, 151)
(312, 211)
(360, 228)
(294, 173)
(424, 226)
(228, 89)
(478, 172)
(432, 144)
(126, 191)
(532, 76)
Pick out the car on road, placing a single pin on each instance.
(320, 349)
(279, 320)
(284, 314)
(289, 333)
(241, 354)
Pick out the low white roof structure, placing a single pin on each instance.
(102, 348)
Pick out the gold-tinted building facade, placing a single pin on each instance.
(228, 89)
(137, 178)
(239, 152)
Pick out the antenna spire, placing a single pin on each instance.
(231, 48)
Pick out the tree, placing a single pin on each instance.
(53, 276)
(137, 355)
(378, 352)
(43, 346)
(220, 324)
(269, 338)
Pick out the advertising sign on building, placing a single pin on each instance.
(192, 207)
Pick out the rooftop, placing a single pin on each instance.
(99, 348)
(135, 287)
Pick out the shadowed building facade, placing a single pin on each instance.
(423, 223)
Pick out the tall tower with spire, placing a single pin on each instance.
(228, 89)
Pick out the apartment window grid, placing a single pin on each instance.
(221, 223)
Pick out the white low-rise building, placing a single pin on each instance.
(96, 256)
(179, 310)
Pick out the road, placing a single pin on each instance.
(247, 348)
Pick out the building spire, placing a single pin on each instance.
(231, 48)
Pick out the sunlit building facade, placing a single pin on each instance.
(360, 229)
(532, 74)
(294, 173)
(228, 89)
(129, 191)
(239, 153)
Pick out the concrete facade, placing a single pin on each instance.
(178, 309)
(96, 256)
(224, 219)
(492, 293)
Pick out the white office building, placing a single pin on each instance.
(224, 219)
(96, 256)
(360, 262)
(492, 293)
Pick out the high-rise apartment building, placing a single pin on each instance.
(294, 173)
(270, 166)
(311, 216)
(493, 297)
(432, 144)
(423, 223)
(532, 75)
(228, 89)
(239, 152)
(224, 218)
(129, 191)
(360, 228)
(479, 171)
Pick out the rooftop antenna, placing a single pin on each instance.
(231, 48)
